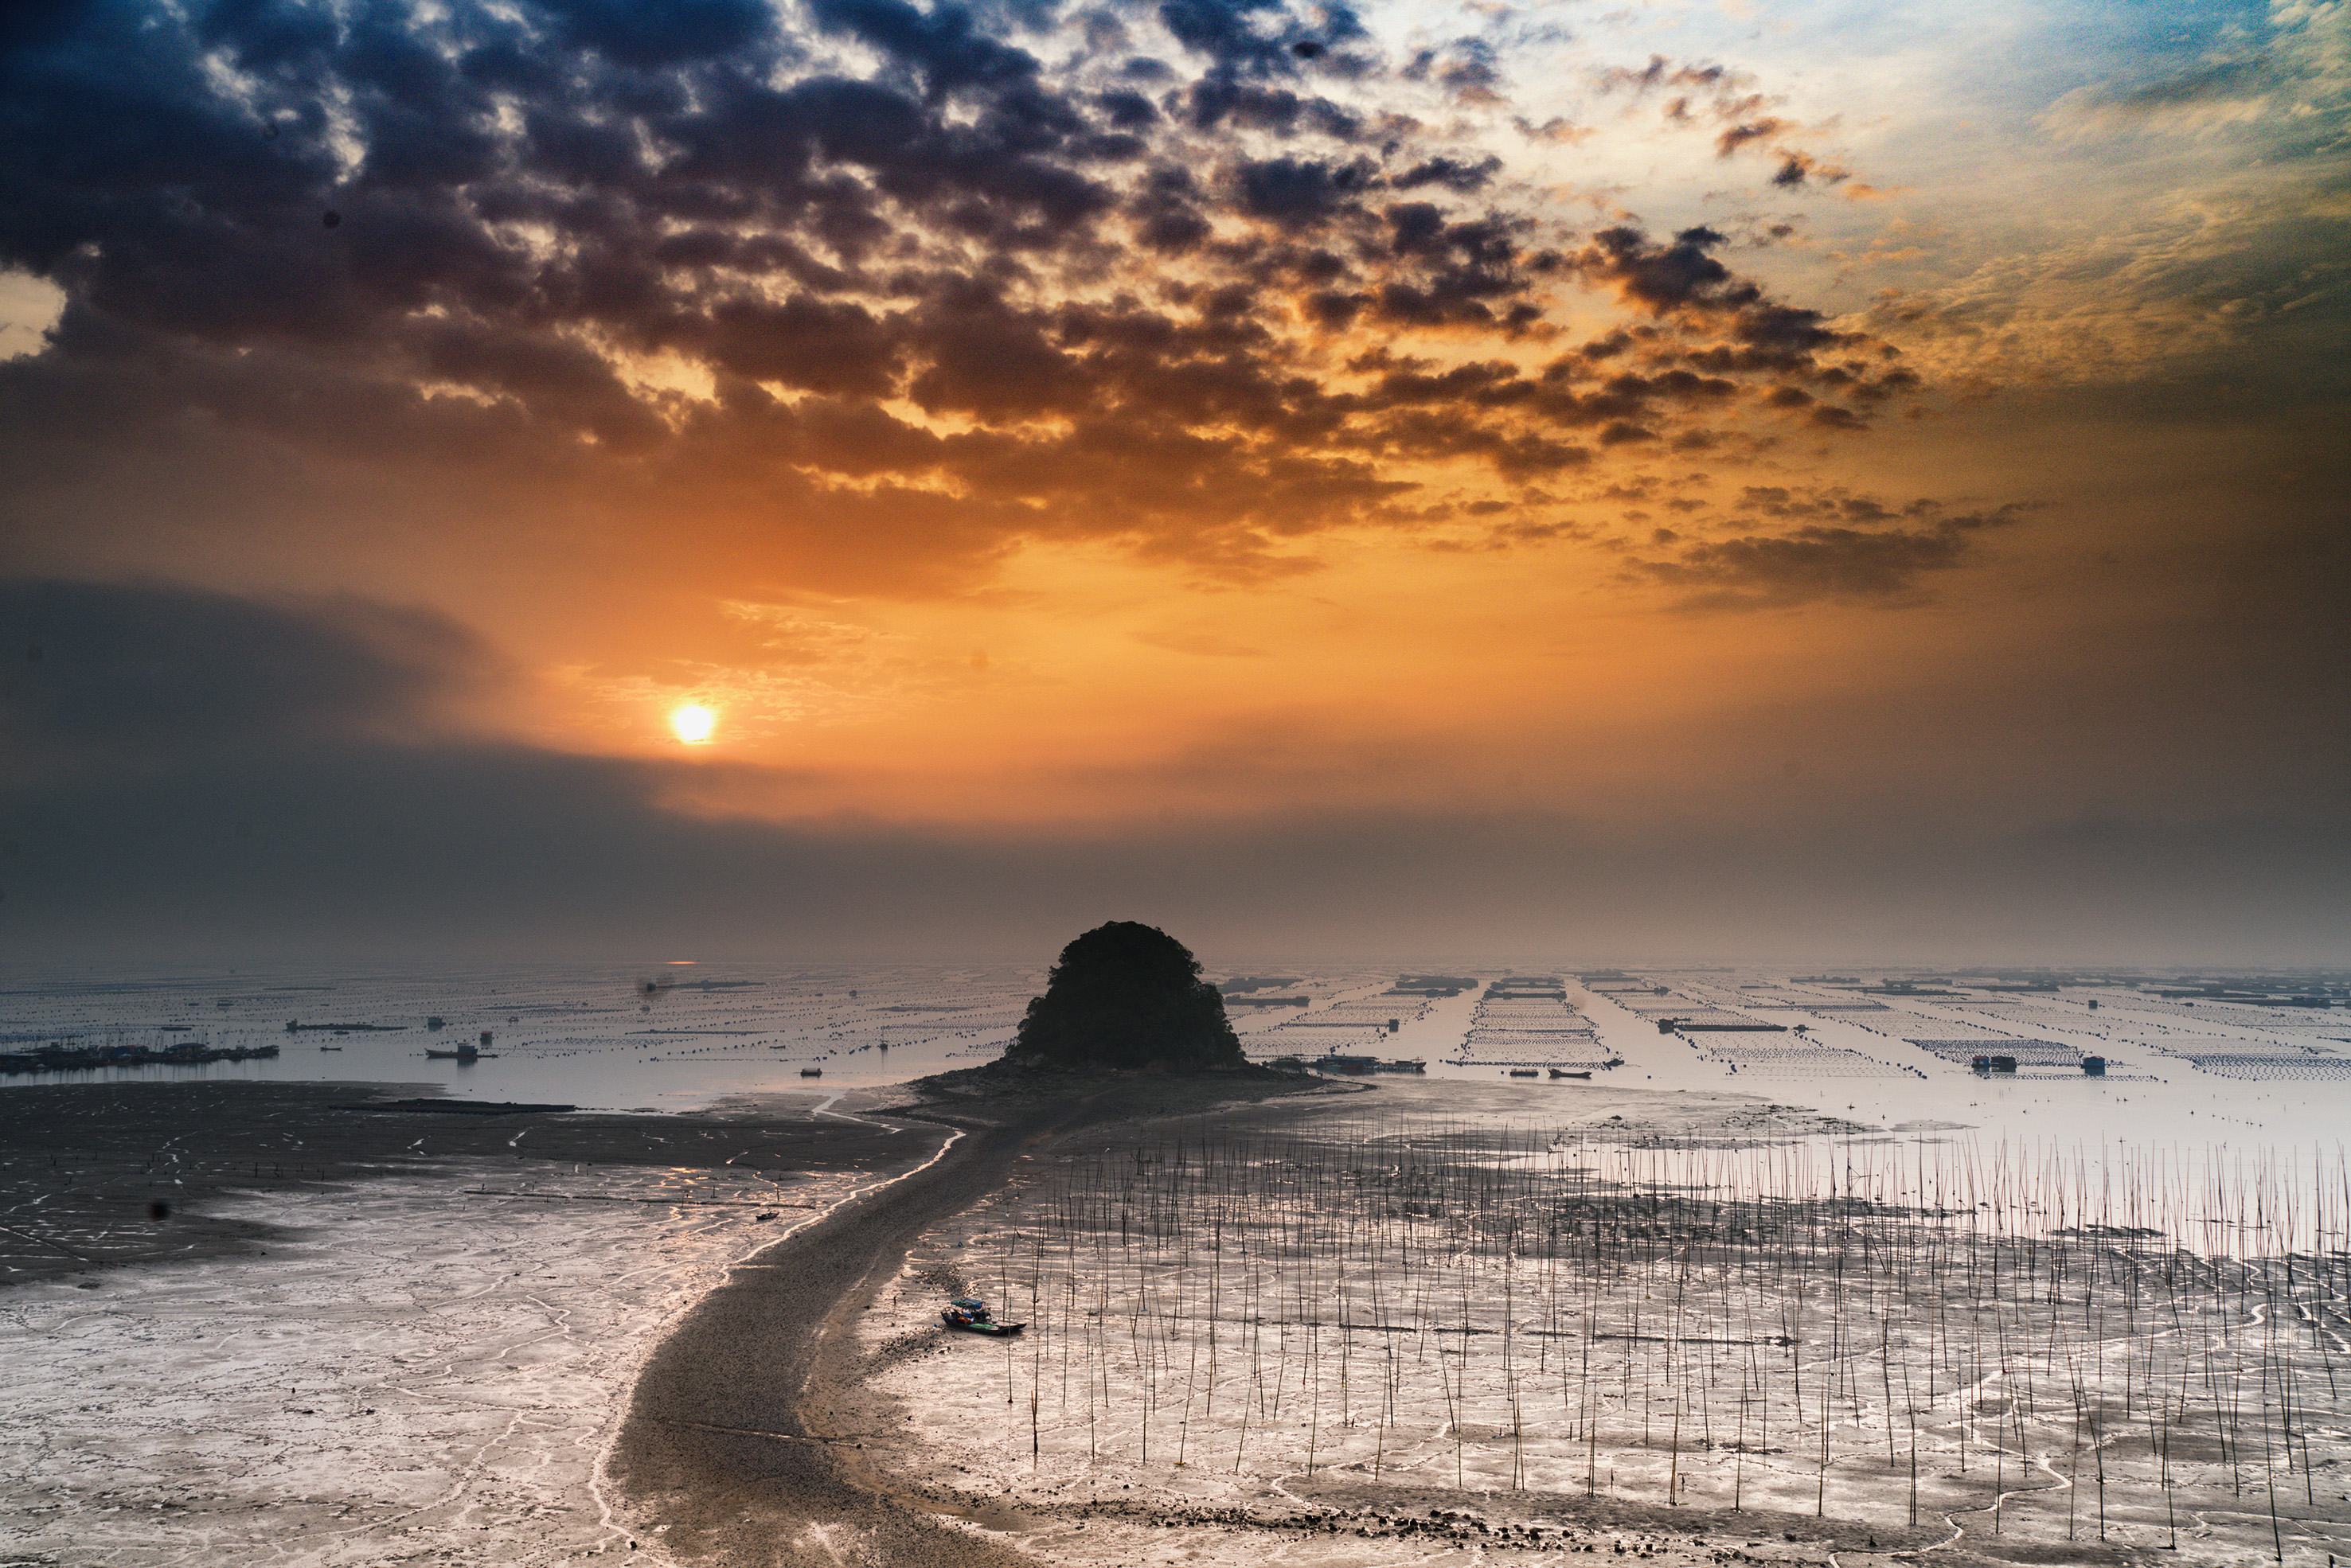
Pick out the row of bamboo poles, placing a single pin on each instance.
(2006, 1336)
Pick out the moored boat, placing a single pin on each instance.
(970, 1314)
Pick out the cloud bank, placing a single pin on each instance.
(206, 775)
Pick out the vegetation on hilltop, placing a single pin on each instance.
(1127, 996)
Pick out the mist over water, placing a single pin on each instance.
(594, 1036)
(674, 1037)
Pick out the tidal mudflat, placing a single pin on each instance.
(361, 1337)
(1423, 1321)
(1701, 1305)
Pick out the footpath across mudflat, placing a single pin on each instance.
(747, 1437)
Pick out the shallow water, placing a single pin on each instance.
(596, 1037)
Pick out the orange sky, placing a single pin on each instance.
(1212, 420)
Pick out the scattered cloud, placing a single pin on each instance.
(2286, 83)
(2195, 214)
(989, 274)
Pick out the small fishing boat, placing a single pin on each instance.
(970, 1314)
(1523, 1073)
(1562, 1073)
(811, 1073)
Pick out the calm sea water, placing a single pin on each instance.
(678, 1037)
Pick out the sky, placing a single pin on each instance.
(1639, 483)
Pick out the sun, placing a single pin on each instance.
(693, 724)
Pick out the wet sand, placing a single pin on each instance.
(535, 1337)
(408, 1337)
(84, 1164)
(1147, 1448)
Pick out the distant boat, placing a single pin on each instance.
(811, 1073)
(463, 1053)
(1562, 1073)
(1523, 1073)
(331, 1047)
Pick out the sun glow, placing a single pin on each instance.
(693, 724)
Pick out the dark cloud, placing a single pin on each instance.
(1260, 37)
(1738, 136)
(1828, 560)
(1451, 174)
(1670, 276)
(113, 676)
(1717, 94)
(1798, 170)
(944, 44)
(1663, 72)
(1303, 193)
(1128, 111)
(1466, 69)
(651, 33)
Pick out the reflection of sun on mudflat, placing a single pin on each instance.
(693, 724)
